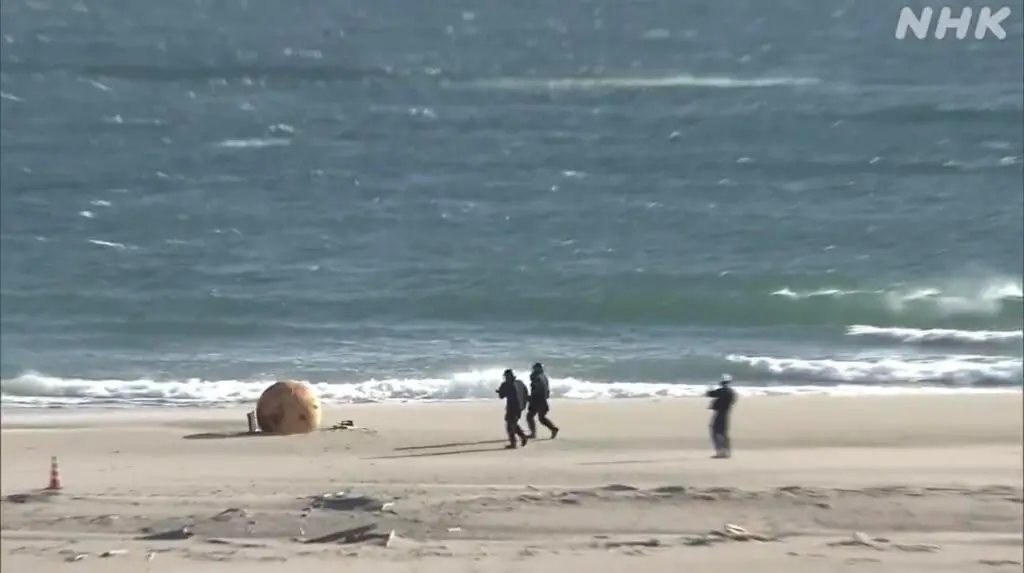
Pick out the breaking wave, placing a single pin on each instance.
(634, 83)
(755, 375)
(983, 298)
(925, 335)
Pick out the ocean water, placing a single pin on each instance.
(397, 200)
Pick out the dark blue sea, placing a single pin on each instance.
(399, 199)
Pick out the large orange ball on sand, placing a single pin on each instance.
(288, 407)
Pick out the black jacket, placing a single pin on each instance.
(540, 391)
(724, 398)
(515, 395)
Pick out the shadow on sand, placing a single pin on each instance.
(39, 495)
(224, 435)
(621, 462)
(437, 454)
(451, 445)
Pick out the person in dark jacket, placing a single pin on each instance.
(540, 391)
(516, 398)
(724, 397)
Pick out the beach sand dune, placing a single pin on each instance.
(909, 483)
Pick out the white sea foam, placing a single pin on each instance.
(955, 297)
(627, 83)
(33, 389)
(984, 298)
(934, 334)
(944, 370)
(254, 143)
(109, 244)
(786, 292)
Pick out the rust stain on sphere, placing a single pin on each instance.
(288, 407)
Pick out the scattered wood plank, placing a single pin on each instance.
(352, 535)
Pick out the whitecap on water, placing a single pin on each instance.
(640, 82)
(253, 143)
(109, 244)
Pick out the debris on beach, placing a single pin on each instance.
(915, 547)
(113, 553)
(343, 501)
(352, 535)
(861, 539)
(737, 533)
(169, 535)
(387, 540)
(361, 534)
(31, 497)
(349, 425)
(230, 513)
(241, 544)
(652, 542)
(620, 487)
(729, 532)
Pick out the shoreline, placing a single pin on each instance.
(748, 392)
(33, 390)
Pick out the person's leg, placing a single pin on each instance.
(718, 431)
(726, 442)
(715, 438)
(531, 422)
(519, 431)
(548, 423)
(511, 425)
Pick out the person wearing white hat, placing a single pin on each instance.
(724, 397)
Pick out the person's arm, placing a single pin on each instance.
(716, 393)
(503, 390)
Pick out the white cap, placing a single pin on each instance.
(726, 378)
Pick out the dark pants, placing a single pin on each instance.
(720, 432)
(512, 427)
(539, 412)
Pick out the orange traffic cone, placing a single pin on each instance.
(54, 474)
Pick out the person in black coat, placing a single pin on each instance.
(724, 397)
(540, 391)
(516, 398)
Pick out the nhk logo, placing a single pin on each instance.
(987, 22)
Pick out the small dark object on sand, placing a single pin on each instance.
(170, 535)
(353, 535)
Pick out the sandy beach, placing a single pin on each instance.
(905, 483)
